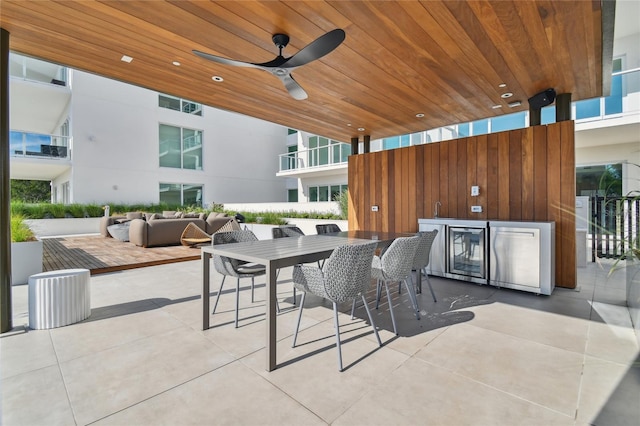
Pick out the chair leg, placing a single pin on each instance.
(252, 288)
(237, 299)
(412, 296)
(429, 283)
(294, 296)
(353, 309)
(218, 296)
(295, 334)
(393, 318)
(378, 293)
(337, 327)
(366, 307)
(418, 281)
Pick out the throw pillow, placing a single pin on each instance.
(134, 215)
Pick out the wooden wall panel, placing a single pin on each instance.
(504, 173)
(540, 173)
(491, 192)
(481, 179)
(567, 202)
(525, 174)
(515, 175)
(385, 213)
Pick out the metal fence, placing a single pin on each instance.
(614, 226)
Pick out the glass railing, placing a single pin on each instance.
(36, 145)
(323, 156)
(36, 70)
(624, 99)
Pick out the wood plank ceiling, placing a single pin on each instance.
(444, 59)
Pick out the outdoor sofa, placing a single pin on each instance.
(155, 230)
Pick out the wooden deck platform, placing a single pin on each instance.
(101, 255)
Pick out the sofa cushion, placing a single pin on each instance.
(134, 215)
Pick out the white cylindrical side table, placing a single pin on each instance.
(59, 298)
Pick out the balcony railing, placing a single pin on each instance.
(624, 99)
(316, 158)
(36, 145)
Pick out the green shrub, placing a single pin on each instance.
(20, 231)
(343, 203)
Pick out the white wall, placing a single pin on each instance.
(115, 130)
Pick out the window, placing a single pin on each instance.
(613, 102)
(325, 192)
(323, 151)
(600, 180)
(181, 194)
(292, 195)
(177, 104)
(180, 148)
(508, 122)
(480, 127)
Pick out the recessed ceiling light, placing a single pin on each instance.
(496, 106)
(217, 78)
(126, 59)
(506, 95)
(349, 124)
(419, 115)
(176, 63)
(502, 85)
(514, 104)
(361, 129)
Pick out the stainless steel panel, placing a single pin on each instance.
(515, 256)
(438, 255)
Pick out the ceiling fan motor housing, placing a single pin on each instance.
(280, 40)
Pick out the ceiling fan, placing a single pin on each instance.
(281, 67)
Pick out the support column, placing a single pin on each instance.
(367, 144)
(535, 116)
(6, 320)
(563, 107)
(354, 146)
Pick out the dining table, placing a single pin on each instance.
(279, 253)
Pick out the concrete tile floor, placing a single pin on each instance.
(479, 356)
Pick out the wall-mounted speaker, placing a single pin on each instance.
(542, 99)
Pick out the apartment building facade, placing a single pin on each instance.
(102, 141)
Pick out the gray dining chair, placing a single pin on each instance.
(394, 265)
(327, 228)
(421, 260)
(286, 231)
(344, 277)
(233, 267)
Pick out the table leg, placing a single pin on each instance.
(206, 275)
(271, 316)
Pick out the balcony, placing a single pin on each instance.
(48, 83)
(38, 156)
(325, 160)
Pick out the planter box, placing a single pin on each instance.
(26, 260)
(66, 226)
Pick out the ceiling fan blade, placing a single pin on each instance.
(292, 86)
(316, 49)
(225, 61)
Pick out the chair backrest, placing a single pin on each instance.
(421, 260)
(327, 228)
(226, 265)
(286, 231)
(397, 260)
(347, 272)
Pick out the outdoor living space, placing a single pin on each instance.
(479, 355)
